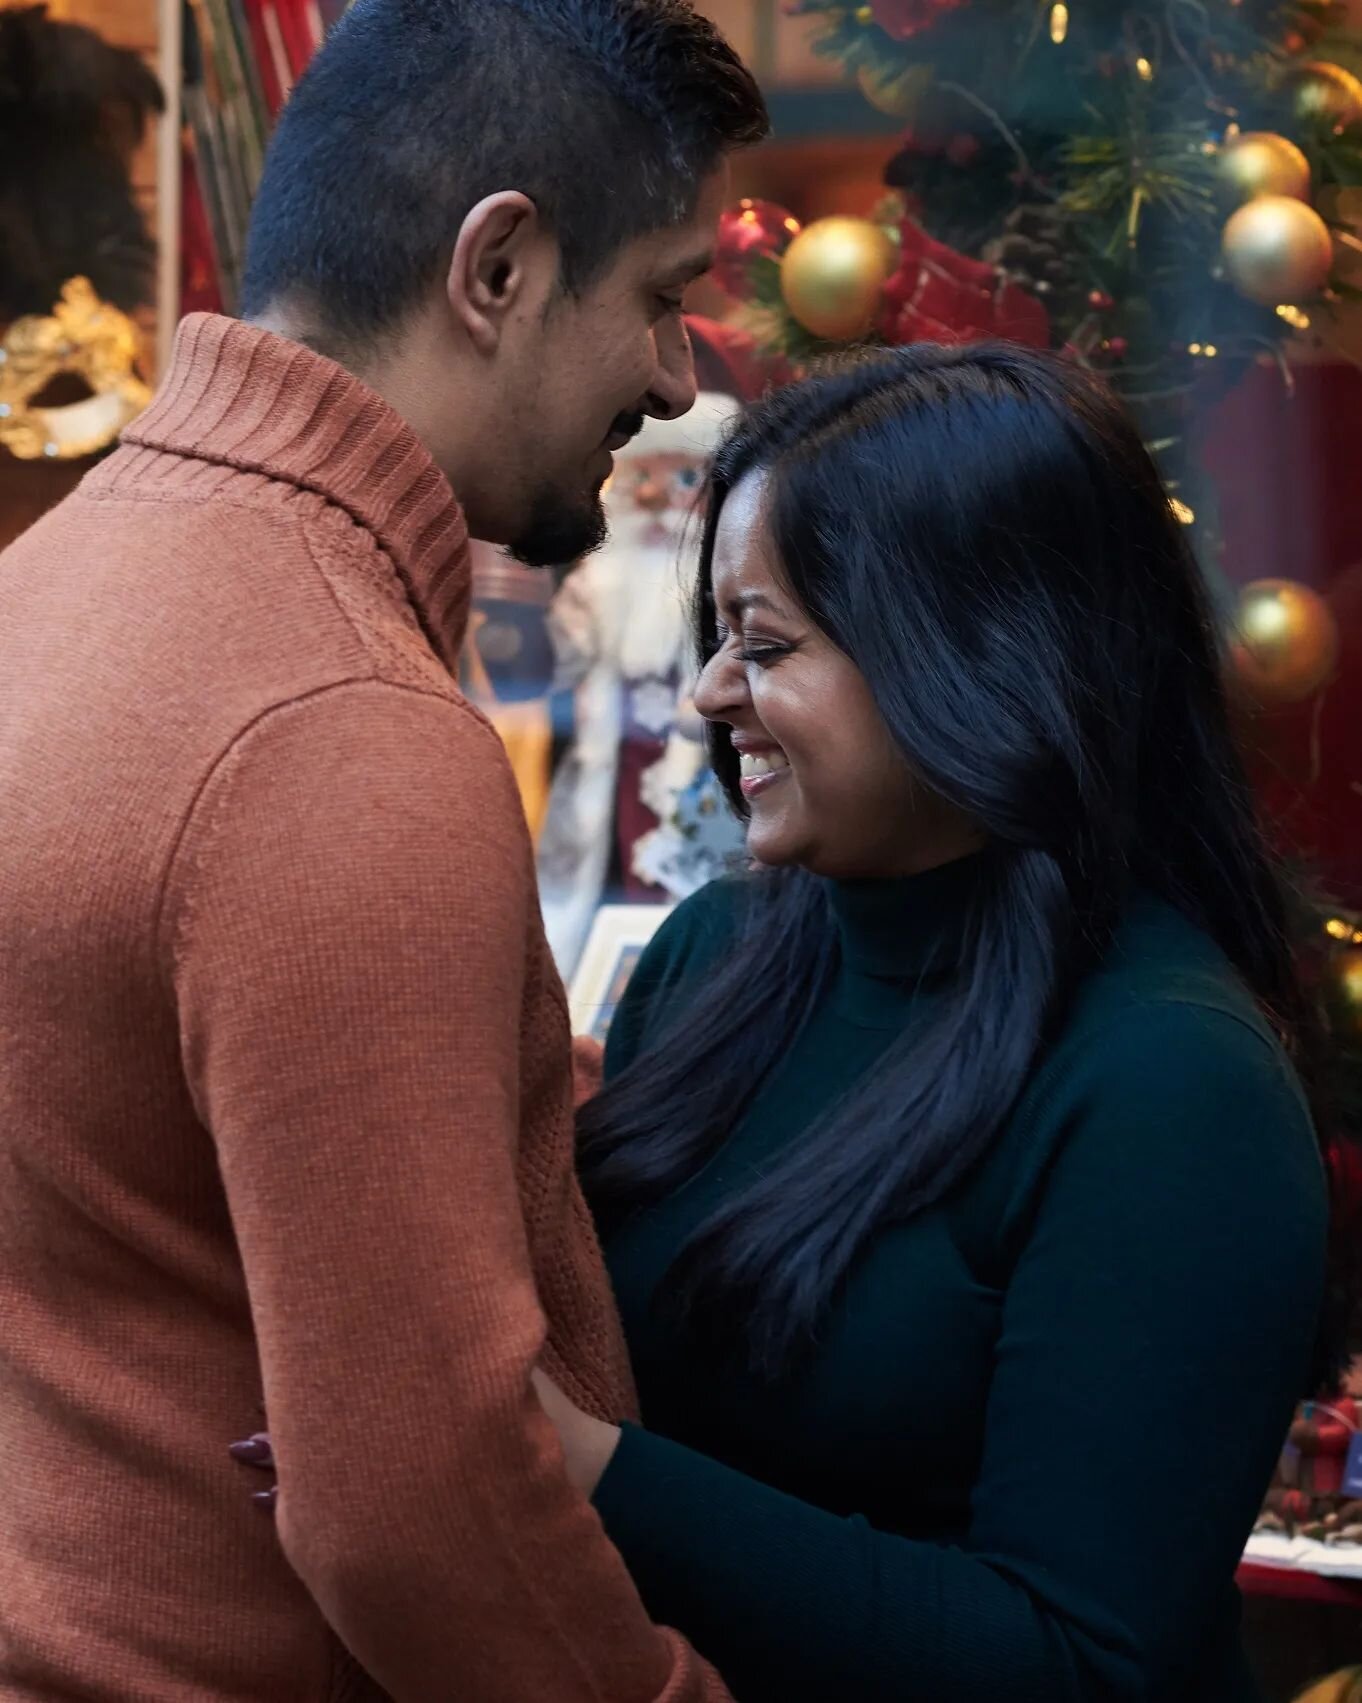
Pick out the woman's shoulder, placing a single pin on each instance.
(1166, 1076)
(1164, 970)
(1165, 1015)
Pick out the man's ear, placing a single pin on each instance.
(499, 257)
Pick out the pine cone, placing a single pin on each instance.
(1037, 252)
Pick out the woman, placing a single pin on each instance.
(961, 1198)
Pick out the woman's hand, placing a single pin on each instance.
(588, 1443)
(258, 1452)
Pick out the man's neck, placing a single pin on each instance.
(395, 367)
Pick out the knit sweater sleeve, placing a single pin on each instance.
(1153, 1338)
(349, 910)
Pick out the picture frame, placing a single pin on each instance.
(613, 948)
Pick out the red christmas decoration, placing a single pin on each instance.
(940, 296)
(904, 19)
(727, 360)
(752, 230)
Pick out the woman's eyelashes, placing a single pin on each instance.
(749, 648)
(763, 653)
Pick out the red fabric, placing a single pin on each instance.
(1258, 1581)
(299, 33)
(199, 288)
(633, 819)
(264, 57)
(1291, 506)
(727, 360)
(940, 296)
(903, 19)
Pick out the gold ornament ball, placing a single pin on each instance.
(1341, 208)
(1277, 250)
(1345, 977)
(1285, 642)
(1324, 95)
(832, 274)
(1259, 162)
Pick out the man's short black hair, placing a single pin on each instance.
(608, 114)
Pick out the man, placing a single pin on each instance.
(284, 1089)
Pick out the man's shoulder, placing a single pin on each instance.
(277, 573)
(225, 610)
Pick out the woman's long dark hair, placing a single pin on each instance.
(982, 532)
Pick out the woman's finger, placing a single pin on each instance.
(255, 1451)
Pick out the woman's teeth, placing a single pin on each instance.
(751, 766)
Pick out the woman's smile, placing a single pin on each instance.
(761, 767)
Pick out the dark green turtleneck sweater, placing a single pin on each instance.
(1038, 1428)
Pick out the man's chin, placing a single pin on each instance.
(558, 534)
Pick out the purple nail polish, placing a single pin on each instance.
(266, 1500)
(255, 1451)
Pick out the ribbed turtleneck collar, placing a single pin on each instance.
(246, 398)
(903, 931)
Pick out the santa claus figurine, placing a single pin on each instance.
(634, 774)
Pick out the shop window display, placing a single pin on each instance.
(589, 684)
(76, 257)
(585, 672)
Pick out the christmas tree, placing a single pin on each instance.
(1166, 192)
(1163, 191)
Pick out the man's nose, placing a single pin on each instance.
(673, 390)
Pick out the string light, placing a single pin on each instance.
(1181, 512)
(1207, 350)
(1338, 928)
(1145, 69)
(1294, 317)
(1059, 22)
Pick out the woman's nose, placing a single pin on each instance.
(721, 690)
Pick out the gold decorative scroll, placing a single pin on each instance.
(83, 337)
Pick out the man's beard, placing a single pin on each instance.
(560, 530)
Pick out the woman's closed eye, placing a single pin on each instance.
(763, 653)
(751, 648)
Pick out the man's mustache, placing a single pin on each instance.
(628, 425)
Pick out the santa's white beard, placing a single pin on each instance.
(645, 591)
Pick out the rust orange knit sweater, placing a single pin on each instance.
(284, 1094)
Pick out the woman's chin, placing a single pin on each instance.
(771, 849)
